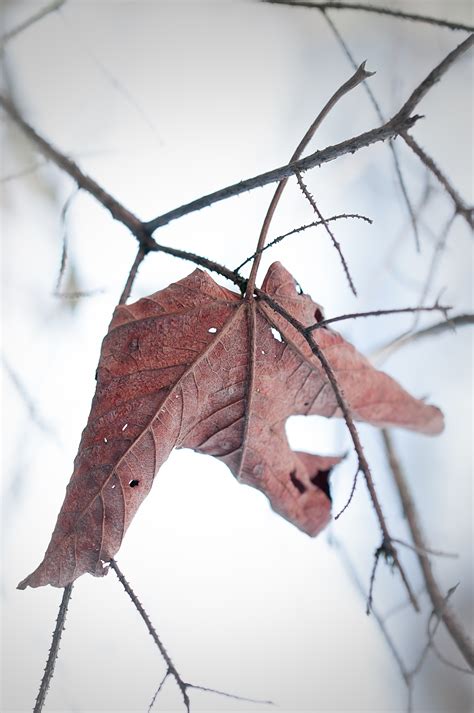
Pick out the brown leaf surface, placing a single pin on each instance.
(195, 366)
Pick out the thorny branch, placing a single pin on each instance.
(306, 332)
(300, 229)
(54, 650)
(335, 242)
(459, 637)
(171, 669)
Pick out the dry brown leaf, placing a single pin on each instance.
(196, 366)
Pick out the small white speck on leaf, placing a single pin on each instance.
(124, 427)
(105, 440)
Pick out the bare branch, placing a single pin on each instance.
(358, 77)
(381, 313)
(459, 637)
(460, 320)
(64, 252)
(141, 254)
(51, 7)
(399, 14)
(426, 550)
(336, 244)
(351, 495)
(300, 229)
(151, 630)
(118, 211)
(318, 158)
(378, 618)
(378, 111)
(341, 402)
(433, 78)
(377, 554)
(54, 650)
(27, 398)
(459, 204)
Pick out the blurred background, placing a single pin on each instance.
(162, 102)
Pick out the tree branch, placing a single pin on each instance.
(359, 76)
(399, 14)
(389, 549)
(461, 207)
(52, 7)
(438, 601)
(382, 119)
(54, 650)
(318, 158)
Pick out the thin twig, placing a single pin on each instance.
(460, 320)
(380, 313)
(431, 630)
(54, 650)
(335, 242)
(455, 629)
(359, 75)
(377, 554)
(171, 669)
(379, 113)
(351, 495)
(341, 402)
(51, 7)
(427, 550)
(399, 14)
(158, 690)
(230, 695)
(465, 211)
(300, 229)
(26, 397)
(64, 251)
(141, 254)
(151, 630)
(376, 615)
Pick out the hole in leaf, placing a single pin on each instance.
(301, 487)
(212, 330)
(276, 334)
(133, 483)
(299, 289)
(321, 481)
(318, 315)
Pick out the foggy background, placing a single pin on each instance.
(162, 102)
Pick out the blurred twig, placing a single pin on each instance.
(399, 14)
(51, 7)
(438, 601)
